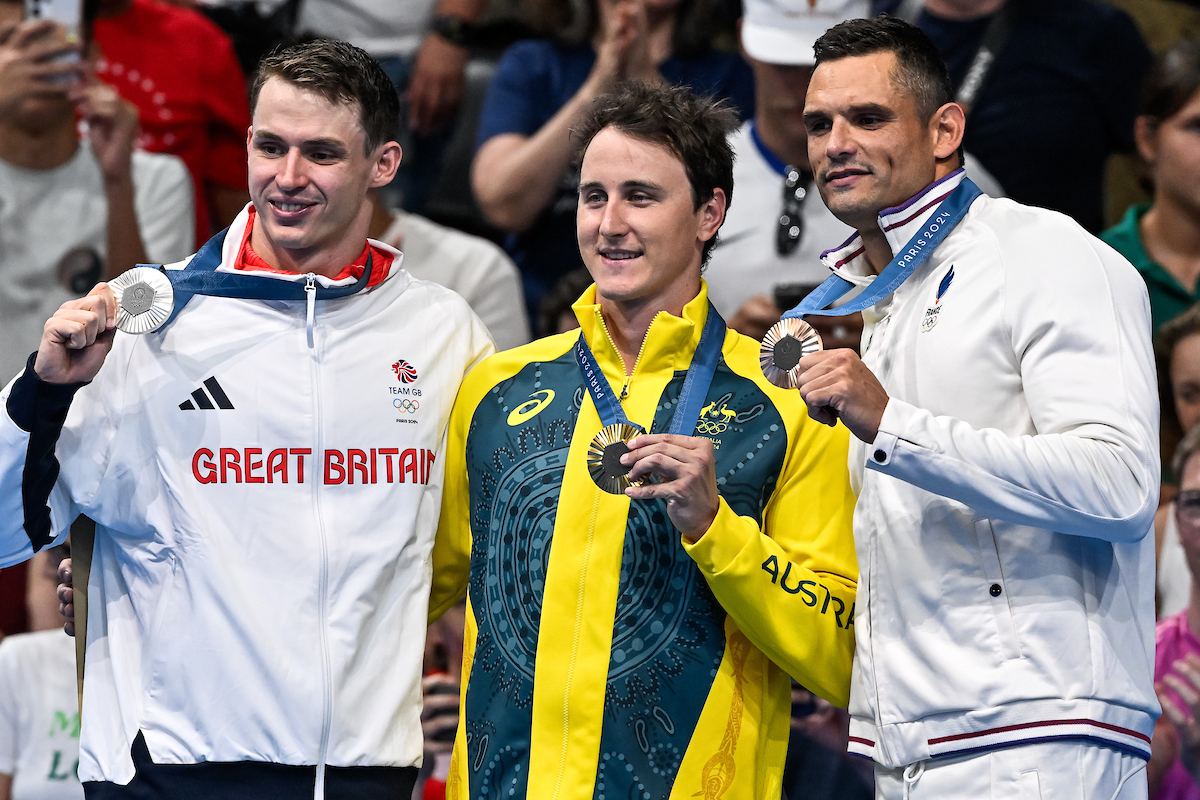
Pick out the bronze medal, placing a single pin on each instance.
(604, 457)
(788, 341)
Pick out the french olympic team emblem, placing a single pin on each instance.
(931, 313)
(405, 372)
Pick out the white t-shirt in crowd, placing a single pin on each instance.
(1174, 579)
(475, 268)
(383, 28)
(39, 716)
(745, 263)
(50, 218)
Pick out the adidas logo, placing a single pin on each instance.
(203, 400)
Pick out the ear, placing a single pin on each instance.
(1145, 135)
(947, 127)
(387, 161)
(712, 215)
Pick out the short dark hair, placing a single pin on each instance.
(342, 74)
(695, 129)
(1173, 80)
(919, 67)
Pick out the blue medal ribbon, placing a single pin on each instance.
(691, 396)
(200, 277)
(915, 253)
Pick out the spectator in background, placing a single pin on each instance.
(71, 212)
(39, 700)
(1177, 353)
(1162, 238)
(1061, 79)
(555, 312)
(522, 175)
(421, 45)
(180, 70)
(763, 264)
(470, 265)
(1175, 748)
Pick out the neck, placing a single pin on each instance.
(1193, 610)
(45, 150)
(324, 261)
(1171, 235)
(787, 148)
(878, 249)
(962, 10)
(628, 321)
(381, 220)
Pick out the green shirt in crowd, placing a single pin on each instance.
(1168, 299)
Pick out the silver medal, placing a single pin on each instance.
(144, 298)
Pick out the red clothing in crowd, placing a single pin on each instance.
(180, 70)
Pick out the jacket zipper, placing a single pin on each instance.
(636, 361)
(310, 293)
(323, 571)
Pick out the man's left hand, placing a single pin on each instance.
(687, 469)
(112, 127)
(836, 384)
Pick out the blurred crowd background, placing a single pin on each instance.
(1087, 107)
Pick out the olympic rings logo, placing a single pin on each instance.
(710, 428)
(406, 404)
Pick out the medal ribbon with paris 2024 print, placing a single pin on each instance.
(790, 339)
(606, 449)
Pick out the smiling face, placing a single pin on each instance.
(640, 234)
(867, 144)
(309, 178)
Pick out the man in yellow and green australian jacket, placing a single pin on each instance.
(639, 644)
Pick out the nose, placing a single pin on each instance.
(291, 173)
(612, 221)
(840, 141)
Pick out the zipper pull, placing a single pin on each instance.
(625, 388)
(310, 289)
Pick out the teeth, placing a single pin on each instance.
(289, 206)
(620, 256)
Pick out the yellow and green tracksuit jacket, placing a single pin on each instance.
(604, 656)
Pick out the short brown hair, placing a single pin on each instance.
(342, 74)
(695, 129)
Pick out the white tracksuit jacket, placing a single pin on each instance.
(265, 517)
(1006, 592)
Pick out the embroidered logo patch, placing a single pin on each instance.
(931, 313)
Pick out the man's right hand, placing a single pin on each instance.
(66, 596)
(28, 64)
(76, 340)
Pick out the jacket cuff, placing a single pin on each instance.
(32, 398)
(721, 544)
(896, 420)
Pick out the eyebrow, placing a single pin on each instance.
(861, 108)
(326, 142)
(627, 186)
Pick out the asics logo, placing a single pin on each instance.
(531, 407)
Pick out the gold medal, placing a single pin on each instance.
(604, 457)
(144, 299)
(788, 341)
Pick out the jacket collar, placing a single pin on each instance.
(669, 345)
(898, 224)
(238, 234)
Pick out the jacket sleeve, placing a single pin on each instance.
(789, 585)
(35, 510)
(1079, 324)
(452, 544)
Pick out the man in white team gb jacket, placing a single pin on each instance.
(1005, 462)
(265, 474)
